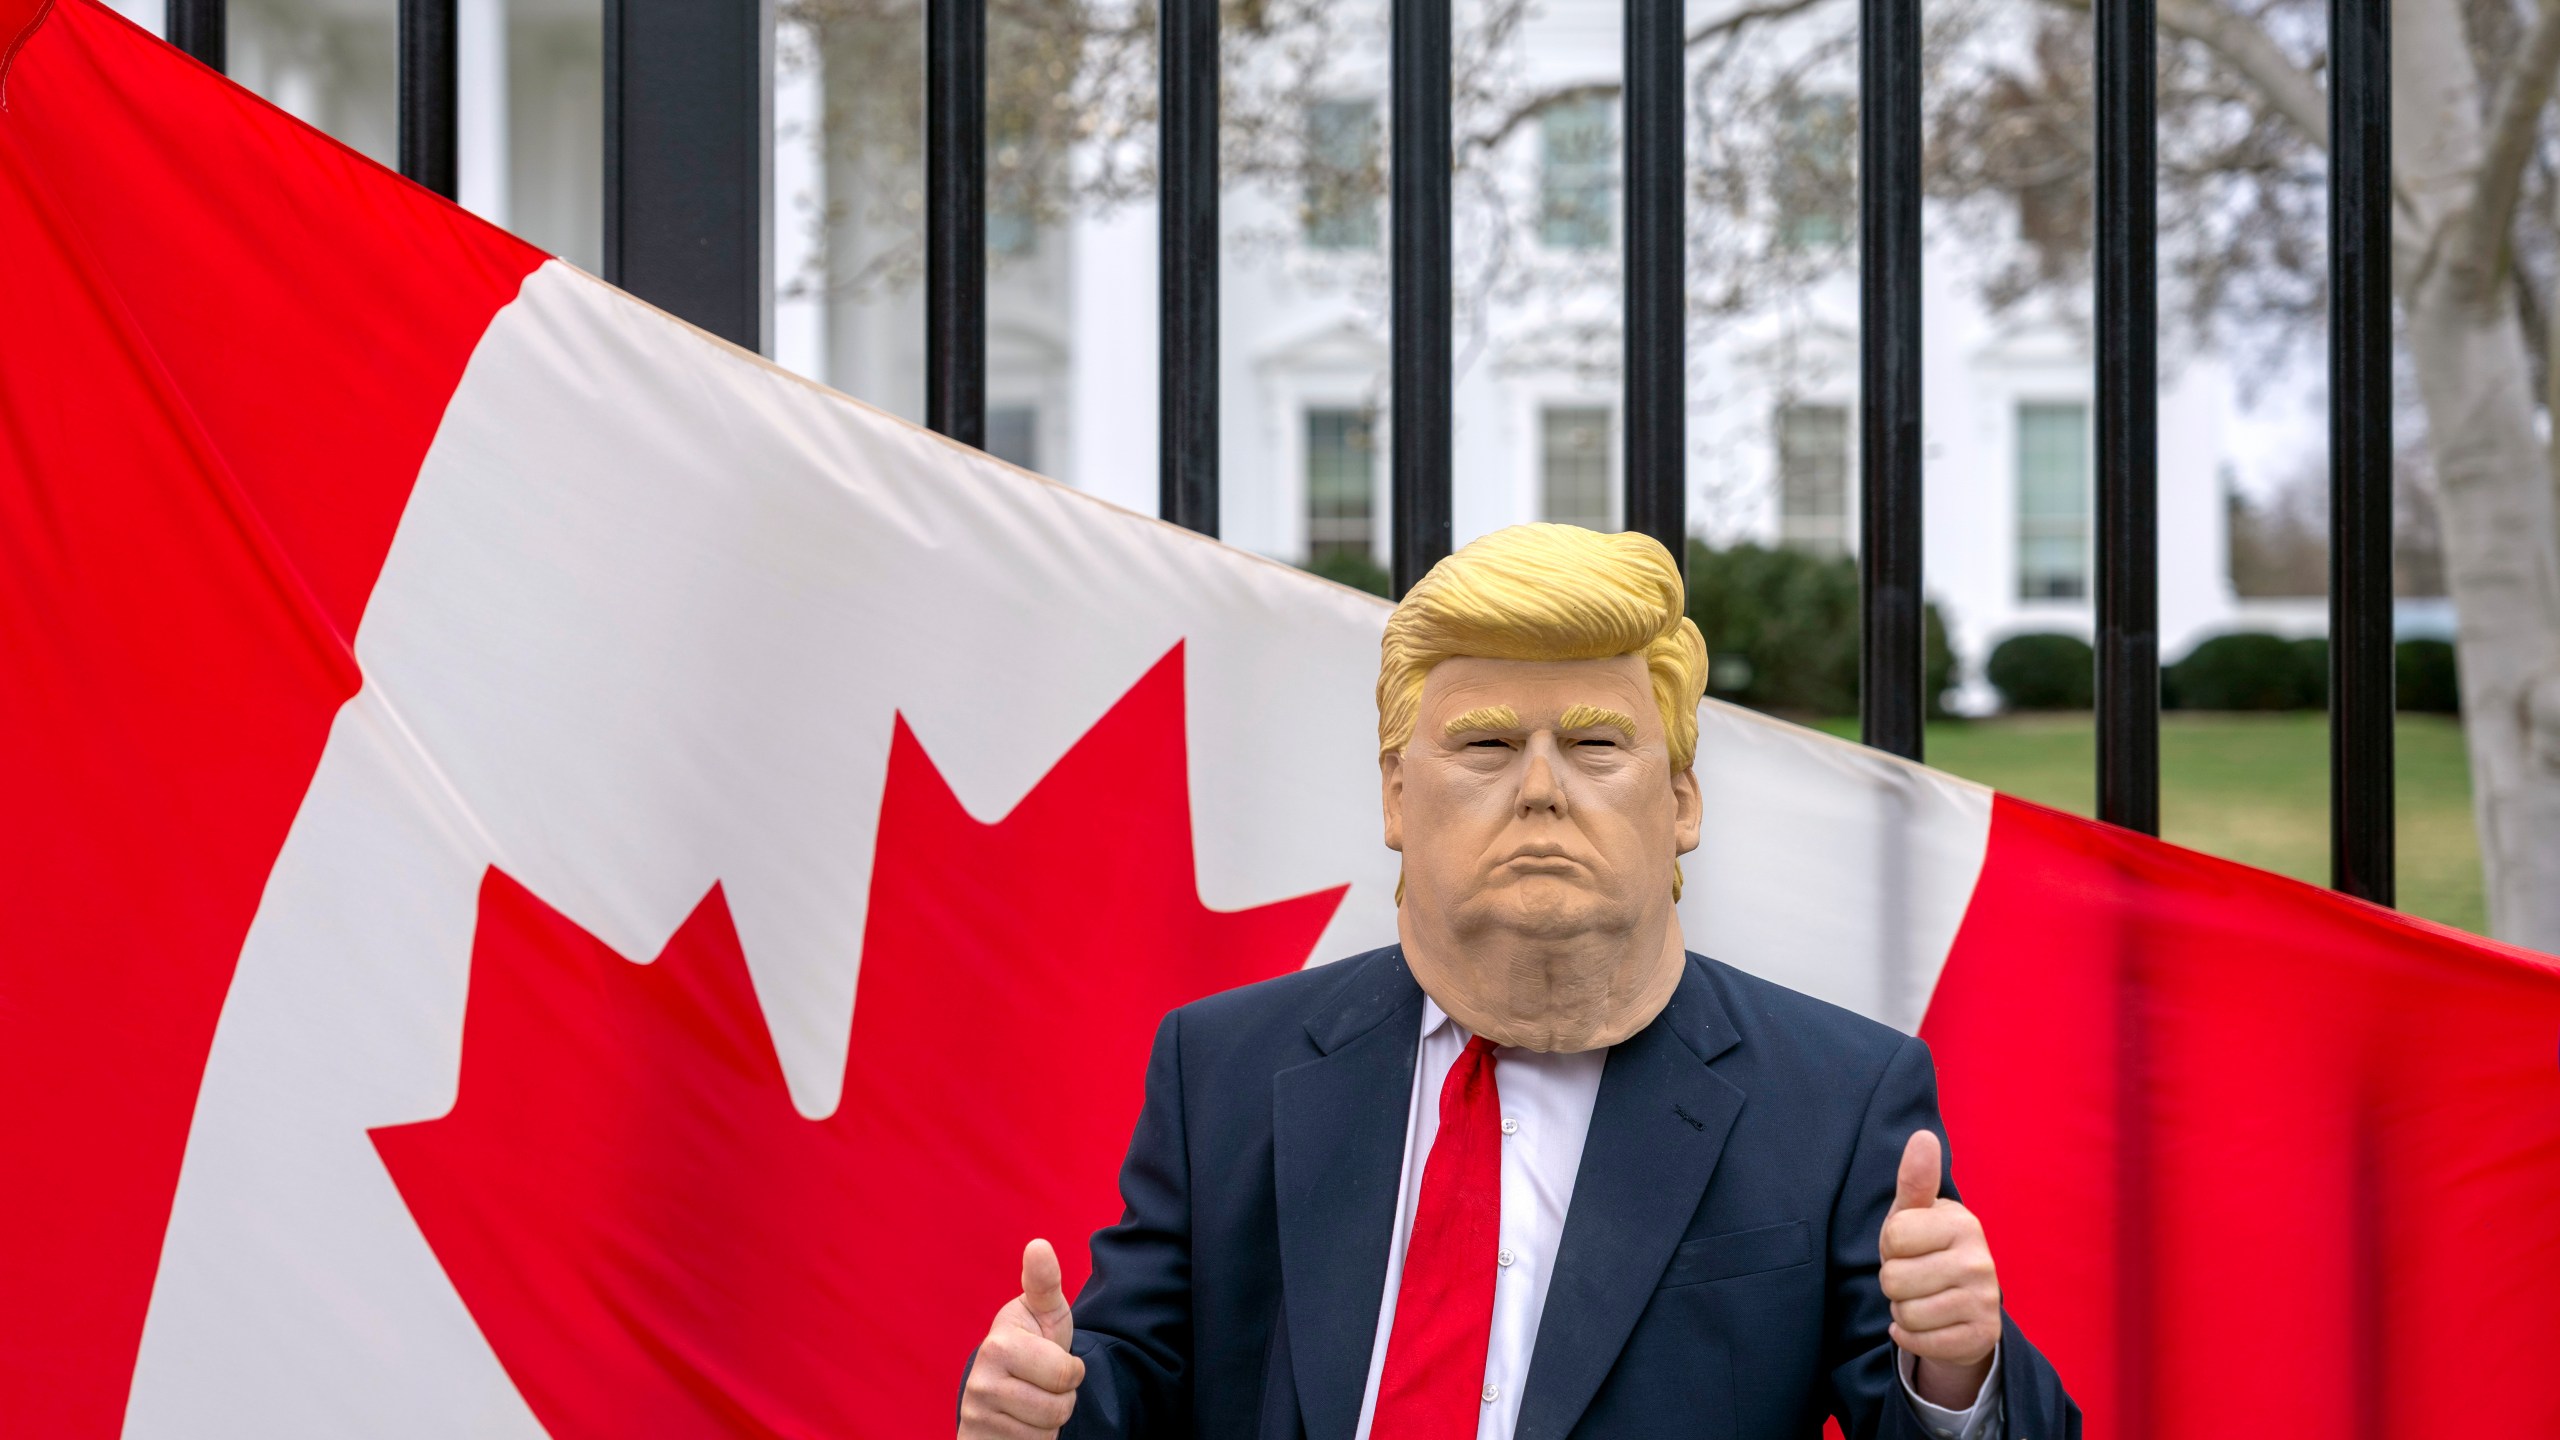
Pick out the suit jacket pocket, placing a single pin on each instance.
(1739, 1252)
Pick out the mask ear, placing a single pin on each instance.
(1688, 813)
(1391, 802)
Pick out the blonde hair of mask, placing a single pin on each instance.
(1548, 592)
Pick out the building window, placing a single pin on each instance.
(2053, 501)
(1574, 465)
(1813, 478)
(1013, 434)
(1577, 191)
(1340, 207)
(1817, 180)
(1341, 485)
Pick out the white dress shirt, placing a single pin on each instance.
(1546, 1114)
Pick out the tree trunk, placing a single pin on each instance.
(2501, 535)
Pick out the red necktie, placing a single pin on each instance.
(1432, 1387)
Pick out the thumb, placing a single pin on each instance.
(1915, 1185)
(1044, 1292)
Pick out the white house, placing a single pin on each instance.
(1072, 329)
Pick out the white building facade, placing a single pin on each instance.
(2008, 402)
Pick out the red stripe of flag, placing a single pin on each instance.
(2257, 1159)
(226, 344)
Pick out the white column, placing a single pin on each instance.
(799, 201)
(480, 159)
(1111, 385)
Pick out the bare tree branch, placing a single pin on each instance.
(2240, 42)
(1730, 23)
(1539, 104)
(2251, 51)
(1746, 17)
(2515, 122)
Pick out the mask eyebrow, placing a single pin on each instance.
(1593, 717)
(1483, 717)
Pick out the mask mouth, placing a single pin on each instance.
(1553, 865)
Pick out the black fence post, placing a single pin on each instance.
(2128, 448)
(2361, 697)
(687, 170)
(1418, 238)
(1891, 654)
(202, 29)
(428, 45)
(1187, 241)
(1657, 306)
(955, 209)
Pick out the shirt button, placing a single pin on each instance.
(1510, 1126)
(1492, 1392)
(1503, 1258)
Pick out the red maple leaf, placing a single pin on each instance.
(655, 1242)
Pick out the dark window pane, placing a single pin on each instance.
(1817, 179)
(1340, 207)
(1574, 465)
(1577, 189)
(2053, 501)
(1813, 478)
(1341, 483)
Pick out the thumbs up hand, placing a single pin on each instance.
(1937, 1273)
(1024, 1381)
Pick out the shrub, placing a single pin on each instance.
(2427, 682)
(2311, 673)
(2043, 672)
(1353, 568)
(2250, 671)
(1782, 630)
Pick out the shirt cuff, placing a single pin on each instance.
(1980, 1419)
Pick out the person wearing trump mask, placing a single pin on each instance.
(1535, 1170)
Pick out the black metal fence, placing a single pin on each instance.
(686, 114)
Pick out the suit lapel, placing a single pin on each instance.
(1657, 1129)
(1338, 1138)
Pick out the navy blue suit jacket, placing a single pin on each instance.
(1717, 1272)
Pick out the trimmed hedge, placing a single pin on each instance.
(2249, 671)
(1355, 569)
(2311, 671)
(1782, 630)
(2428, 683)
(2244, 671)
(2043, 672)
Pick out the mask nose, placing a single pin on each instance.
(1539, 789)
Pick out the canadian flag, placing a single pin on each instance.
(557, 879)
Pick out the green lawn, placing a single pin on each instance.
(2251, 787)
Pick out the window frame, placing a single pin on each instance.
(1611, 489)
(1806, 531)
(1319, 540)
(2024, 526)
(1595, 175)
(1344, 230)
(1817, 180)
